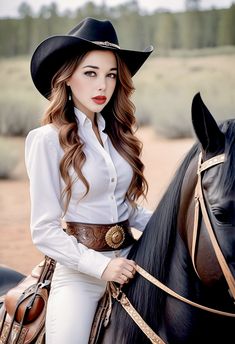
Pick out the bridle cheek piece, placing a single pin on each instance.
(200, 206)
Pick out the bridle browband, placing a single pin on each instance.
(118, 294)
(200, 205)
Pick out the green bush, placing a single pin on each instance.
(18, 115)
(21, 105)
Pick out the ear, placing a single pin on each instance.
(205, 126)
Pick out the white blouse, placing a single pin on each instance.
(108, 175)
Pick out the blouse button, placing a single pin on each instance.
(112, 180)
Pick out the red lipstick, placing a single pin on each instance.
(99, 99)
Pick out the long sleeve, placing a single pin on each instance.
(139, 216)
(42, 157)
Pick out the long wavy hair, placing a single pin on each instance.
(120, 127)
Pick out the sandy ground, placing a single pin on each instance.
(161, 158)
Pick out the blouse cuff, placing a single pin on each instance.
(93, 263)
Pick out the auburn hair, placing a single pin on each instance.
(120, 127)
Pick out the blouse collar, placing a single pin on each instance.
(83, 119)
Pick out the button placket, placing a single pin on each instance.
(104, 151)
(103, 168)
(112, 185)
(113, 177)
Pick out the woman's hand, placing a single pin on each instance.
(119, 270)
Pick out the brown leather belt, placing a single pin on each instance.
(101, 237)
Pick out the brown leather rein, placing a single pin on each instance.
(118, 294)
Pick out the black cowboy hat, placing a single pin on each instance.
(89, 34)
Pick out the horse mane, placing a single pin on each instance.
(158, 238)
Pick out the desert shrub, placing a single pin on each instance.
(210, 51)
(165, 88)
(18, 115)
(20, 103)
(8, 159)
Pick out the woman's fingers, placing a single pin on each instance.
(122, 279)
(128, 270)
(131, 264)
(119, 270)
(128, 273)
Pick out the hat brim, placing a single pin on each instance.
(52, 53)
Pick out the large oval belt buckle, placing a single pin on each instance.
(115, 236)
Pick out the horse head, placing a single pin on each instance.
(217, 179)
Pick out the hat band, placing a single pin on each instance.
(107, 44)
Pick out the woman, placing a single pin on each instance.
(85, 171)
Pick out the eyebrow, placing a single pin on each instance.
(95, 67)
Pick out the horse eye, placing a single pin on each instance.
(222, 216)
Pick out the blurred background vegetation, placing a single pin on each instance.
(194, 51)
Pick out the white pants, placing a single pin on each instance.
(72, 304)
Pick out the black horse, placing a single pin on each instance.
(166, 251)
(8, 279)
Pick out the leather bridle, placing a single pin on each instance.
(118, 294)
(200, 205)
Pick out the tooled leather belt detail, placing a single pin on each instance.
(101, 237)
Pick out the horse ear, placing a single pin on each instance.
(205, 126)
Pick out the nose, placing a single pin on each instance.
(102, 84)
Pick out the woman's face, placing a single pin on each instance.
(93, 81)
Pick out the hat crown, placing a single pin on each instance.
(94, 30)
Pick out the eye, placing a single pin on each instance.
(222, 216)
(90, 73)
(112, 75)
